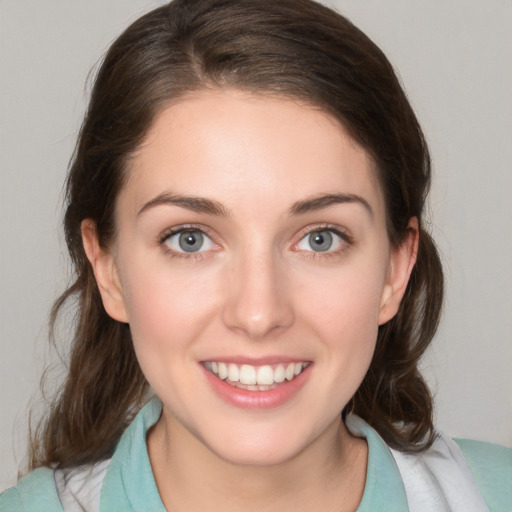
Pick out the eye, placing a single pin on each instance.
(322, 240)
(188, 241)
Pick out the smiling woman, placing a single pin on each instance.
(245, 217)
(257, 290)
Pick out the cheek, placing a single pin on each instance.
(351, 326)
(166, 315)
(167, 309)
(343, 299)
(341, 308)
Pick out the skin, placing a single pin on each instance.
(255, 289)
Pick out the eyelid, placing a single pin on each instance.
(341, 233)
(183, 228)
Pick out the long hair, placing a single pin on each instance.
(290, 48)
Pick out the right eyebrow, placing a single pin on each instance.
(325, 200)
(192, 203)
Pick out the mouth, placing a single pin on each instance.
(256, 378)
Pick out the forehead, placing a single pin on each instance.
(235, 146)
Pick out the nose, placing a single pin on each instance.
(258, 303)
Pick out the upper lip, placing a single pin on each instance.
(257, 361)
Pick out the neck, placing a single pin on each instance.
(329, 474)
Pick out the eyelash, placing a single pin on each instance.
(195, 256)
(346, 238)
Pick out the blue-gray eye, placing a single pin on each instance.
(320, 241)
(190, 240)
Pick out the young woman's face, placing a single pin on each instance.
(253, 266)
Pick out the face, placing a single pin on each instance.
(254, 268)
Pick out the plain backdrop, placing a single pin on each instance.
(454, 58)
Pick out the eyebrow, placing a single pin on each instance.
(212, 207)
(324, 201)
(195, 204)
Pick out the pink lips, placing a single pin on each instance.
(246, 399)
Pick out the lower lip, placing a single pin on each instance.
(268, 399)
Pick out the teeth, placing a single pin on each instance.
(233, 373)
(279, 374)
(247, 374)
(223, 371)
(255, 378)
(265, 376)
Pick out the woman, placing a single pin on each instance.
(245, 216)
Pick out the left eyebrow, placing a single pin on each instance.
(195, 204)
(324, 201)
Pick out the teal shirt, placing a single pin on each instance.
(129, 484)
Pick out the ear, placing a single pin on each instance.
(105, 272)
(401, 263)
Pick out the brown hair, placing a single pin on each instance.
(293, 48)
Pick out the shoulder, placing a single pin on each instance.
(79, 488)
(75, 489)
(34, 492)
(464, 475)
(491, 465)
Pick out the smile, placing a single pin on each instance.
(255, 378)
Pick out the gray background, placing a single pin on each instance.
(454, 59)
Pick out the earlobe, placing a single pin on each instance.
(402, 261)
(105, 272)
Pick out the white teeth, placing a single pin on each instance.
(247, 374)
(233, 373)
(265, 376)
(223, 371)
(279, 375)
(255, 378)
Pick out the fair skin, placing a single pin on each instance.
(283, 260)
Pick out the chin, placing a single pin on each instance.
(256, 455)
(266, 446)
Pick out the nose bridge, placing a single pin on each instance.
(258, 302)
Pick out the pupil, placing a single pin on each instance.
(320, 241)
(191, 241)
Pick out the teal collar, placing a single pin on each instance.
(384, 489)
(130, 486)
